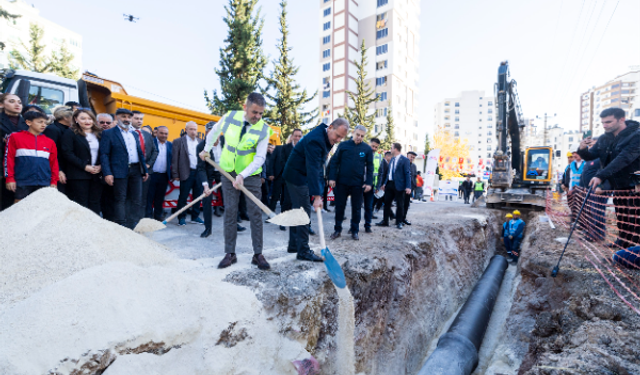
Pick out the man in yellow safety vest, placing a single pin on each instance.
(246, 138)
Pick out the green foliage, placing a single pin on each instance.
(9, 17)
(61, 63)
(241, 60)
(362, 98)
(389, 130)
(286, 105)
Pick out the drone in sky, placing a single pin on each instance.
(130, 18)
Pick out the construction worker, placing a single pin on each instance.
(516, 232)
(246, 141)
(505, 233)
(478, 189)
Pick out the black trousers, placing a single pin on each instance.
(299, 236)
(369, 199)
(627, 206)
(407, 204)
(341, 192)
(467, 194)
(127, 193)
(87, 193)
(277, 194)
(325, 194)
(7, 197)
(158, 183)
(266, 187)
(191, 184)
(107, 202)
(391, 194)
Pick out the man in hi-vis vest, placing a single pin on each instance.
(246, 139)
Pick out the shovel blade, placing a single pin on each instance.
(291, 218)
(333, 269)
(148, 225)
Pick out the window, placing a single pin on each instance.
(326, 53)
(558, 153)
(446, 110)
(490, 111)
(488, 149)
(326, 94)
(570, 140)
(445, 117)
(326, 67)
(381, 112)
(480, 112)
(381, 81)
(381, 65)
(457, 134)
(489, 140)
(490, 103)
(325, 107)
(326, 39)
(490, 118)
(381, 20)
(480, 104)
(383, 96)
(381, 50)
(457, 111)
(45, 97)
(614, 86)
(326, 1)
(456, 126)
(326, 83)
(446, 104)
(489, 134)
(489, 126)
(382, 33)
(457, 118)
(457, 104)
(327, 11)
(382, 2)
(326, 25)
(488, 153)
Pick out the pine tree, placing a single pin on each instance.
(286, 105)
(241, 60)
(61, 63)
(362, 98)
(35, 59)
(389, 129)
(9, 17)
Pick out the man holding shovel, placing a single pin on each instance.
(245, 150)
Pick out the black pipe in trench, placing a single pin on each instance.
(457, 350)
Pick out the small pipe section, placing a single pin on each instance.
(457, 350)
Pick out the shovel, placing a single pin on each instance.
(333, 267)
(291, 218)
(150, 225)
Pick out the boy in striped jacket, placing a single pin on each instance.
(31, 160)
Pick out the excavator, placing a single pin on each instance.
(519, 178)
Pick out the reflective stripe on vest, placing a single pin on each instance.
(377, 158)
(239, 153)
(575, 174)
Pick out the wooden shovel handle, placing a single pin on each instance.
(244, 189)
(323, 244)
(183, 209)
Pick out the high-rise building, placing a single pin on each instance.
(14, 32)
(470, 116)
(622, 91)
(390, 29)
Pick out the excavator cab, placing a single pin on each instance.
(537, 165)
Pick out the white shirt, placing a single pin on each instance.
(192, 145)
(160, 166)
(393, 163)
(132, 149)
(258, 159)
(94, 145)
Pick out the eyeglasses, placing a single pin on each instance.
(105, 122)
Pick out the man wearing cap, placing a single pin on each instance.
(246, 140)
(123, 167)
(506, 234)
(516, 233)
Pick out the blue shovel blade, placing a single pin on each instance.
(333, 269)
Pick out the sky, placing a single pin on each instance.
(557, 49)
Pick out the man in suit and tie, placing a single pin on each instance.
(396, 184)
(161, 173)
(150, 154)
(184, 168)
(123, 167)
(414, 178)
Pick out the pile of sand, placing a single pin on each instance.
(46, 237)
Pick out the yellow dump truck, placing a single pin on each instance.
(103, 96)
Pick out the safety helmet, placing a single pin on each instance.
(509, 216)
(516, 212)
(569, 154)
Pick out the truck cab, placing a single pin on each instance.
(44, 90)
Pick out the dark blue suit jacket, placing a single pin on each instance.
(169, 155)
(113, 154)
(402, 174)
(305, 165)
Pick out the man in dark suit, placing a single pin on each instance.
(123, 167)
(279, 192)
(184, 168)
(304, 175)
(150, 154)
(161, 173)
(351, 174)
(396, 183)
(414, 175)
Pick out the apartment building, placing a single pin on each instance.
(622, 91)
(470, 116)
(390, 29)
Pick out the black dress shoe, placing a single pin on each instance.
(368, 230)
(312, 232)
(282, 228)
(406, 222)
(335, 235)
(355, 236)
(382, 224)
(241, 228)
(310, 256)
(258, 260)
(327, 209)
(228, 260)
(206, 233)
(399, 225)
(239, 220)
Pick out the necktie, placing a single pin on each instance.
(243, 131)
(393, 164)
(141, 142)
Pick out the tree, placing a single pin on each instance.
(389, 128)
(61, 63)
(451, 150)
(362, 98)
(286, 107)
(35, 59)
(9, 17)
(241, 60)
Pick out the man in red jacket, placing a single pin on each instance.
(31, 159)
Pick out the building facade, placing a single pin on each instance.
(622, 91)
(470, 116)
(390, 29)
(15, 32)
